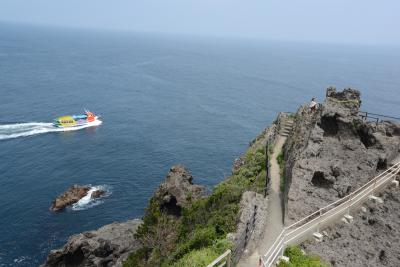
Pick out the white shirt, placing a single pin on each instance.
(313, 104)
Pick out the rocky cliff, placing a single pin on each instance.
(329, 153)
(177, 191)
(371, 240)
(111, 244)
(333, 151)
(107, 246)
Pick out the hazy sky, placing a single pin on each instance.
(347, 21)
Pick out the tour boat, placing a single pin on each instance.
(89, 118)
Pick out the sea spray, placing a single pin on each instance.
(15, 130)
(88, 202)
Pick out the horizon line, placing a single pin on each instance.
(195, 35)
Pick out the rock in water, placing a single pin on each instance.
(73, 195)
(107, 246)
(98, 193)
(110, 245)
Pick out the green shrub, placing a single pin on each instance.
(260, 181)
(202, 222)
(150, 218)
(196, 258)
(298, 259)
(202, 257)
(281, 162)
(137, 258)
(271, 146)
(199, 238)
(292, 116)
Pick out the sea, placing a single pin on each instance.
(163, 100)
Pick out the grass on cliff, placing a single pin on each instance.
(202, 257)
(199, 235)
(281, 162)
(298, 259)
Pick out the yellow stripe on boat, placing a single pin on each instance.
(67, 121)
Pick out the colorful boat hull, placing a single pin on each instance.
(75, 120)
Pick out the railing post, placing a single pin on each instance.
(319, 217)
(228, 260)
(348, 206)
(245, 237)
(254, 215)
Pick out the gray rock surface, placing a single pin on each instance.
(111, 244)
(332, 152)
(106, 246)
(253, 208)
(372, 239)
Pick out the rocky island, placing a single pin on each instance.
(73, 195)
(326, 154)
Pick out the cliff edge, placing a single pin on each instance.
(328, 153)
(332, 152)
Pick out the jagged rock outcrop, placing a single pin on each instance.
(106, 246)
(177, 190)
(111, 244)
(332, 152)
(73, 195)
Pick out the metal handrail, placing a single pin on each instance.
(287, 235)
(223, 260)
(375, 114)
(283, 242)
(346, 197)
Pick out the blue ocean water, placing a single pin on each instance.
(163, 100)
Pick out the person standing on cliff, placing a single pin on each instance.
(313, 105)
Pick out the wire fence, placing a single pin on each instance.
(244, 238)
(304, 228)
(374, 116)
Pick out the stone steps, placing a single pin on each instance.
(286, 128)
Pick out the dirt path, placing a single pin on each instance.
(274, 223)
